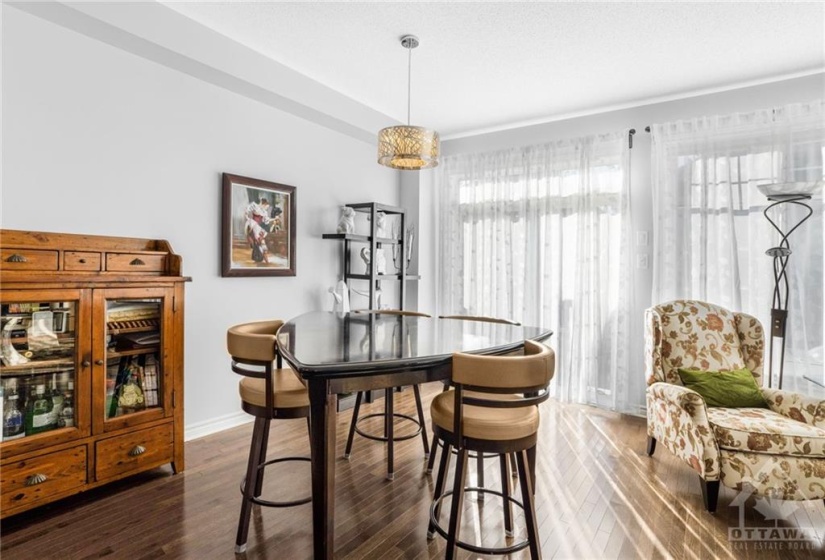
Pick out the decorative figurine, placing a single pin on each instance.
(340, 293)
(380, 261)
(380, 224)
(11, 357)
(346, 223)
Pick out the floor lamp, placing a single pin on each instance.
(778, 194)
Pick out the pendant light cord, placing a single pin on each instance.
(409, 81)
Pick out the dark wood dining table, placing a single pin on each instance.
(337, 353)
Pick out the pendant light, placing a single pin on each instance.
(408, 147)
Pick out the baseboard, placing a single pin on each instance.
(215, 425)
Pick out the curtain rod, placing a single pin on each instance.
(630, 134)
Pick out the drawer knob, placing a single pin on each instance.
(35, 479)
(137, 450)
(99, 362)
(17, 258)
(137, 262)
(82, 261)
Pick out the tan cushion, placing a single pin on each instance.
(287, 390)
(534, 368)
(253, 341)
(494, 424)
(763, 431)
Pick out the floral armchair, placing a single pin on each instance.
(777, 452)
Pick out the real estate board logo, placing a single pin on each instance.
(782, 536)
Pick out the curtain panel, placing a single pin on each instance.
(540, 235)
(710, 234)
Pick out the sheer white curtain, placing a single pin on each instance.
(711, 235)
(540, 235)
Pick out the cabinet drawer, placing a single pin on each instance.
(56, 473)
(135, 262)
(28, 259)
(133, 452)
(77, 260)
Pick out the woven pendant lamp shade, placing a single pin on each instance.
(408, 147)
(405, 146)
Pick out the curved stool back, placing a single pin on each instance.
(493, 409)
(267, 393)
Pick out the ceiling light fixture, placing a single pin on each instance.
(408, 147)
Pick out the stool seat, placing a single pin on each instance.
(287, 390)
(268, 391)
(389, 415)
(496, 424)
(492, 410)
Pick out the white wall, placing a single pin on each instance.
(100, 141)
(739, 100)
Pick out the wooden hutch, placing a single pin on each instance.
(91, 364)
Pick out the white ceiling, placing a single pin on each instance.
(486, 65)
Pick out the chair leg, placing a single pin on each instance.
(440, 482)
(351, 435)
(710, 493)
(259, 480)
(527, 492)
(480, 474)
(458, 499)
(513, 465)
(531, 462)
(420, 408)
(388, 431)
(504, 462)
(249, 487)
(651, 446)
(431, 460)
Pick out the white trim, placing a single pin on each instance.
(632, 104)
(215, 425)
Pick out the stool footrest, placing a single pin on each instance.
(268, 503)
(384, 438)
(468, 546)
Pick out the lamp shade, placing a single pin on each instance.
(408, 147)
(778, 191)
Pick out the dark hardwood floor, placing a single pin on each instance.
(598, 496)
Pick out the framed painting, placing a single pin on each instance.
(258, 230)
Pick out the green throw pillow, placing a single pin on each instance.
(728, 389)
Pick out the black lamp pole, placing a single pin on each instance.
(781, 254)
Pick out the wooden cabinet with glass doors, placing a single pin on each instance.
(91, 363)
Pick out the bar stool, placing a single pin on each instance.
(388, 415)
(266, 394)
(498, 426)
(479, 457)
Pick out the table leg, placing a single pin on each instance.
(323, 407)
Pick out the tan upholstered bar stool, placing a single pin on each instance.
(499, 417)
(389, 415)
(267, 393)
(479, 457)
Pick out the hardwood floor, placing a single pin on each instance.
(598, 496)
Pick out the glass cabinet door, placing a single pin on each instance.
(135, 341)
(40, 346)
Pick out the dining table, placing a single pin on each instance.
(339, 353)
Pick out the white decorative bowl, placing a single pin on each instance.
(786, 190)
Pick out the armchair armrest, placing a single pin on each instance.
(677, 417)
(799, 407)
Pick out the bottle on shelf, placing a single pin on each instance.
(39, 416)
(57, 402)
(12, 415)
(67, 413)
